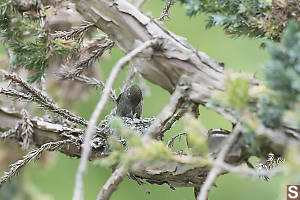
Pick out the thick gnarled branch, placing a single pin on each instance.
(127, 26)
(175, 174)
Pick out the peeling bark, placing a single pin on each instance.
(45, 132)
(175, 174)
(174, 62)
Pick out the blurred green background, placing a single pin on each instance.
(241, 54)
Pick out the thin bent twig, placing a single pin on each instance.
(112, 183)
(216, 170)
(78, 194)
(164, 116)
(129, 78)
(172, 140)
(153, 131)
(165, 12)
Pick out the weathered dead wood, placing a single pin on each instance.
(43, 132)
(173, 62)
(175, 174)
(128, 27)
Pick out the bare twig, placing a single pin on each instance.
(64, 74)
(139, 181)
(165, 12)
(44, 91)
(145, 88)
(34, 154)
(112, 183)
(172, 140)
(216, 170)
(129, 78)
(243, 171)
(140, 4)
(176, 117)
(101, 104)
(167, 112)
(11, 133)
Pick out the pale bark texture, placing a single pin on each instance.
(175, 62)
(190, 76)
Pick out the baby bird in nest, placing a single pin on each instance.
(130, 103)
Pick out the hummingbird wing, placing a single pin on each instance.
(121, 105)
(139, 109)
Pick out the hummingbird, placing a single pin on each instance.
(130, 103)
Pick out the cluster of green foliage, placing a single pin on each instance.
(149, 152)
(31, 45)
(253, 18)
(275, 104)
(282, 77)
(137, 149)
(4, 21)
(34, 54)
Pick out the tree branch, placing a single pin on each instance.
(216, 170)
(33, 154)
(165, 114)
(65, 74)
(175, 174)
(40, 98)
(165, 12)
(126, 25)
(92, 122)
(112, 183)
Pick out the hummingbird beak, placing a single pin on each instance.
(134, 114)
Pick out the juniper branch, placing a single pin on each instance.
(76, 33)
(26, 130)
(65, 75)
(82, 65)
(41, 99)
(16, 94)
(165, 12)
(33, 154)
(271, 162)
(87, 62)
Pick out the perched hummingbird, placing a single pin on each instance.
(130, 102)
